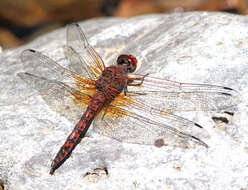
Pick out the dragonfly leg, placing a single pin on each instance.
(130, 81)
(125, 90)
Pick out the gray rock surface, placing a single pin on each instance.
(190, 47)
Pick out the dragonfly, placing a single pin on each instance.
(122, 104)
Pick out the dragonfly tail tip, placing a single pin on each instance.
(51, 171)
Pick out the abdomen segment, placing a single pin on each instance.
(78, 132)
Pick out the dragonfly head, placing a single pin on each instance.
(129, 61)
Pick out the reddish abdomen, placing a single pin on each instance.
(78, 132)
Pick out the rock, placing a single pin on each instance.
(197, 47)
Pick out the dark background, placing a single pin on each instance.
(23, 20)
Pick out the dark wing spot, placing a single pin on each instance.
(227, 88)
(221, 119)
(229, 113)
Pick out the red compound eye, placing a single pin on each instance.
(128, 60)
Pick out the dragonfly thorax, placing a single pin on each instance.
(112, 81)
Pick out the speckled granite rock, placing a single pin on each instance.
(190, 47)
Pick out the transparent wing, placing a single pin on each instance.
(63, 90)
(173, 96)
(35, 62)
(131, 122)
(146, 116)
(88, 58)
(78, 64)
(59, 96)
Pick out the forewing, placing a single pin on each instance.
(170, 96)
(146, 116)
(64, 91)
(35, 62)
(130, 122)
(78, 64)
(88, 57)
